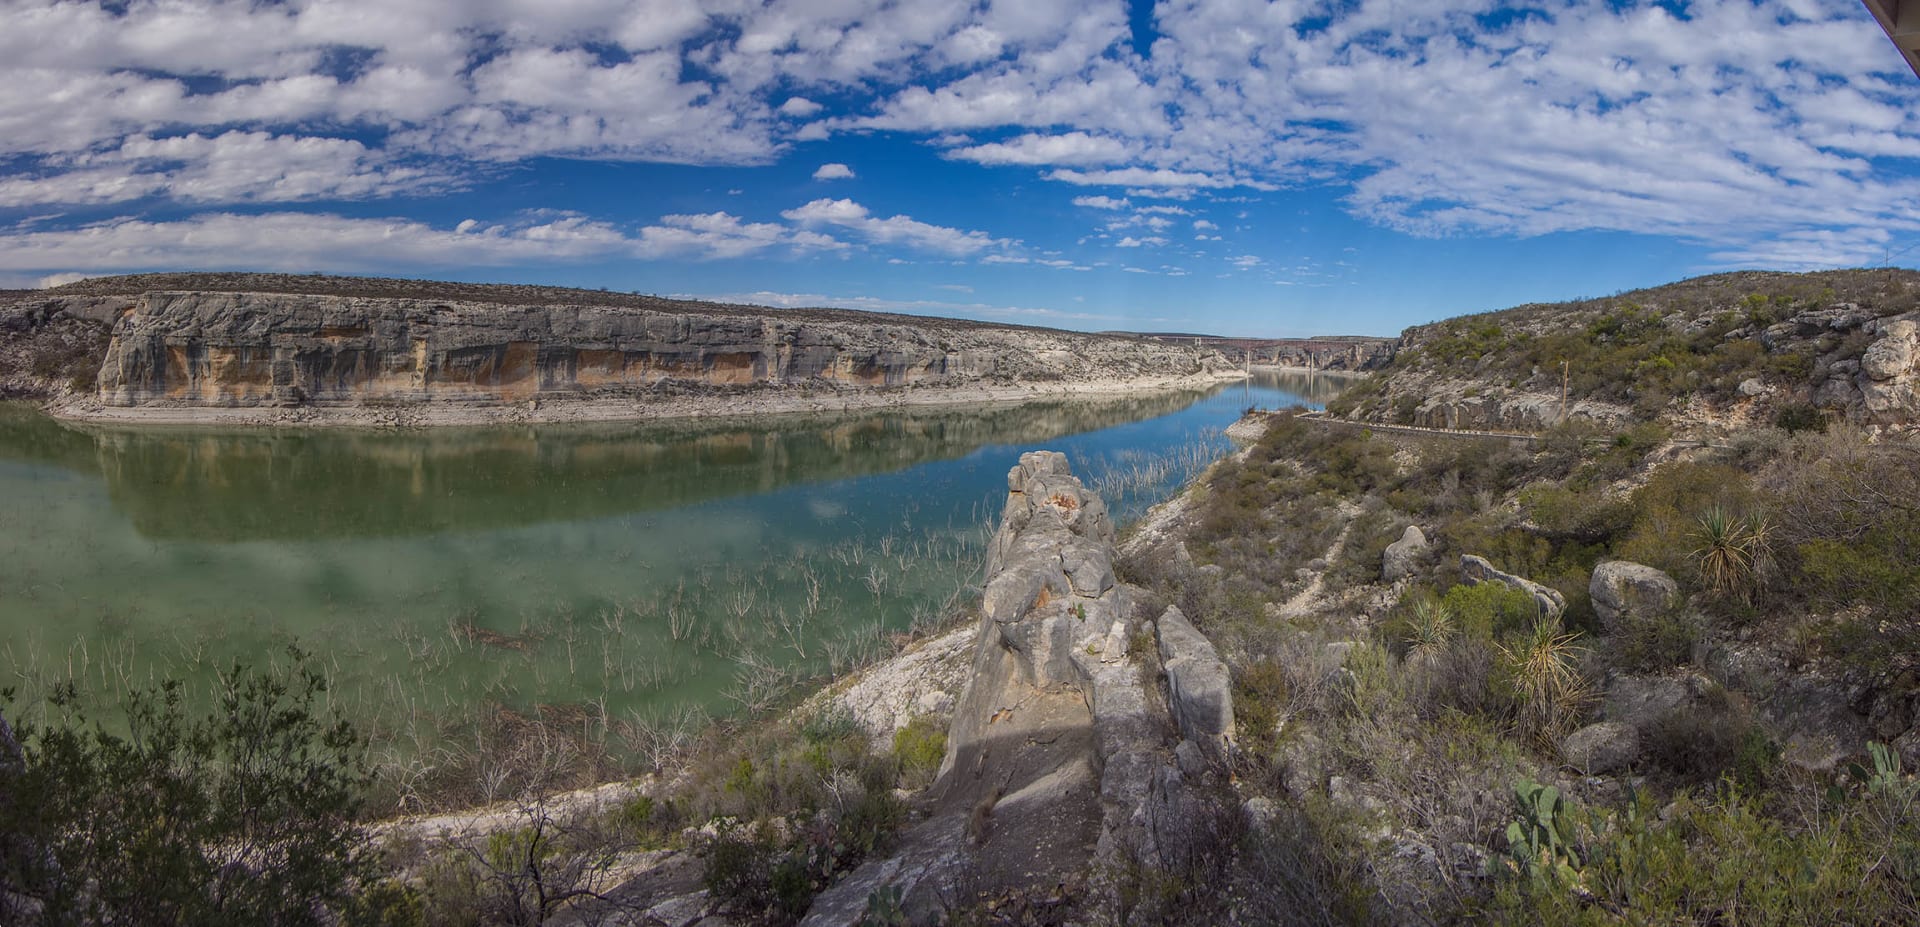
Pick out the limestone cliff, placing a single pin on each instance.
(252, 349)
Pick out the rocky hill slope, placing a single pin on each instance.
(1728, 349)
(209, 341)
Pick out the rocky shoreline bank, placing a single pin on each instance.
(717, 403)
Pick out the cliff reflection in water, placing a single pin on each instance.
(238, 485)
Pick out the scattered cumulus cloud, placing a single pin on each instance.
(1771, 131)
(903, 230)
(833, 172)
(1030, 149)
(799, 107)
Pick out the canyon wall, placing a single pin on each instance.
(237, 349)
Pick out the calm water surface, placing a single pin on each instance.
(592, 572)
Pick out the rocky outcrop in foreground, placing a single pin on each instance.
(1064, 767)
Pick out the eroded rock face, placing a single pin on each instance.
(1889, 377)
(1198, 686)
(1059, 764)
(252, 349)
(1624, 591)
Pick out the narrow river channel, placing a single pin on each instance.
(593, 573)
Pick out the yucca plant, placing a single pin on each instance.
(1430, 629)
(1734, 553)
(1544, 667)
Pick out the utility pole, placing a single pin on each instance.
(1566, 375)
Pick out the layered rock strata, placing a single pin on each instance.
(239, 349)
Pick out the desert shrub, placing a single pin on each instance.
(1458, 677)
(1697, 861)
(1304, 866)
(1652, 643)
(1849, 532)
(1669, 508)
(1717, 739)
(1259, 694)
(1356, 394)
(1590, 516)
(920, 747)
(1799, 416)
(244, 815)
(1491, 611)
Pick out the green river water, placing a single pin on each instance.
(597, 575)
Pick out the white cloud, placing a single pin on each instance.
(901, 230)
(1031, 149)
(232, 167)
(1150, 178)
(1141, 242)
(799, 107)
(908, 306)
(1245, 262)
(1100, 202)
(306, 241)
(1755, 126)
(833, 172)
(1202, 224)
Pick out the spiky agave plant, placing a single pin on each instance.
(1544, 667)
(1430, 629)
(1733, 552)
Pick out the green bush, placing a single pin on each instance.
(1652, 644)
(1491, 611)
(1700, 862)
(920, 748)
(241, 816)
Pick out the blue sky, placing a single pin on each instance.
(1291, 167)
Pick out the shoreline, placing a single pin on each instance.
(754, 403)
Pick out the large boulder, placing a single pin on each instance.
(1475, 570)
(1624, 591)
(1404, 557)
(1600, 749)
(1893, 354)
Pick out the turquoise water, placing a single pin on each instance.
(593, 573)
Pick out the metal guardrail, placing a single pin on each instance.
(1323, 418)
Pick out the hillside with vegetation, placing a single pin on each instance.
(1659, 665)
(1728, 350)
